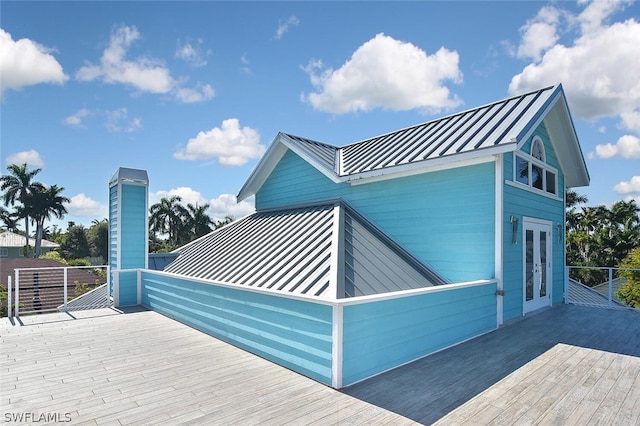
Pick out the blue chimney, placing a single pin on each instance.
(128, 233)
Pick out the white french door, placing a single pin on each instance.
(537, 264)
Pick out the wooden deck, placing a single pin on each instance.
(566, 365)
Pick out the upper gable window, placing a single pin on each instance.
(533, 171)
(537, 149)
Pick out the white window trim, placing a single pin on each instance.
(538, 141)
(4, 252)
(545, 167)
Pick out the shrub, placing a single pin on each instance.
(629, 292)
(54, 255)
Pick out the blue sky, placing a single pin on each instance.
(194, 92)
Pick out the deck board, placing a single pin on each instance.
(565, 365)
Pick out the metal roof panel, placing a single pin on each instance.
(291, 251)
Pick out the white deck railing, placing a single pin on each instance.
(603, 293)
(37, 290)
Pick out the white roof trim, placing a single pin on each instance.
(420, 168)
(554, 113)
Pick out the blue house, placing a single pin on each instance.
(364, 257)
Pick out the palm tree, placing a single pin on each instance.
(19, 186)
(46, 202)
(166, 217)
(197, 221)
(10, 220)
(573, 198)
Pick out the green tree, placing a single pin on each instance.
(629, 292)
(98, 237)
(599, 237)
(46, 202)
(9, 219)
(75, 244)
(18, 186)
(197, 222)
(166, 217)
(223, 222)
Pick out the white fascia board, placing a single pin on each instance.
(437, 164)
(263, 169)
(270, 160)
(331, 174)
(557, 119)
(570, 156)
(540, 116)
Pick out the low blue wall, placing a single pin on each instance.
(381, 335)
(294, 333)
(127, 287)
(377, 334)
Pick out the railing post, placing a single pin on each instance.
(139, 286)
(66, 294)
(17, 303)
(610, 285)
(115, 281)
(109, 283)
(567, 270)
(9, 310)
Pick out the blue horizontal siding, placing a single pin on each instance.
(127, 288)
(521, 202)
(446, 218)
(385, 334)
(293, 333)
(113, 226)
(133, 227)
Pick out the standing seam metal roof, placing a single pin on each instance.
(292, 251)
(488, 126)
(491, 129)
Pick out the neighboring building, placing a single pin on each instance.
(616, 283)
(364, 257)
(12, 245)
(41, 281)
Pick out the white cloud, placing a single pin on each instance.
(386, 73)
(230, 144)
(200, 94)
(145, 74)
(630, 198)
(24, 63)
(598, 69)
(284, 27)
(76, 119)
(539, 34)
(630, 187)
(245, 64)
(597, 12)
(118, 121)
(631, 121)
(187, 194)
(31, 158)
(194, 55)
(227, 205)
(628, 146)
(83, 206)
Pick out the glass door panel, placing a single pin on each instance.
(543, 263)
(529, 265)
(537, 264)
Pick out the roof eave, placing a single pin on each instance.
(560, 126)
(270, 160)
(479, 156)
